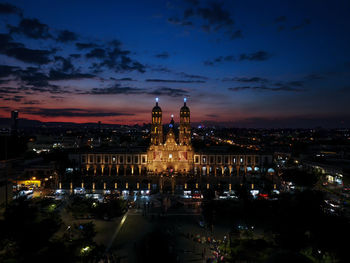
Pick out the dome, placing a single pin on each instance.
(156, 109)
(184, 109)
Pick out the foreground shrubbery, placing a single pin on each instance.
(81, 207)
(295, 226)
(28, 235)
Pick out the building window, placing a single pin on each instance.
(226, 159)
(106, 159)
(211, 159)
(128, 159)
(91, 159)
(241, 160)
(136, 159)
(83, 159)
(98, 159)
(196, 160)
(204, 159)
(143, 159)
(219, 159)
(248, 159)
(234, 160)
(121, 159)
(170, 156)
(113, 159)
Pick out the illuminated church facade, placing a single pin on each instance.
(169, 154)
(170, 157)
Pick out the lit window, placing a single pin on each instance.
(170, 156)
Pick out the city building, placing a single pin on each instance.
(173, 157)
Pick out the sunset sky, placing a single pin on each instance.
(239, 63)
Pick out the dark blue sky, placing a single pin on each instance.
(241, 63)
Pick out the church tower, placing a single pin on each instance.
(156, 127)
(185, 126)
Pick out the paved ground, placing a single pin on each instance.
(124, 236)
(181, 225)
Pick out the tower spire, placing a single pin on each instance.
(171, 125)
(157, 99)
(185, 126)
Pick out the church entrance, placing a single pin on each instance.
(168, 185)
(170, 171)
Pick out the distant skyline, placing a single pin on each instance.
(238, 63)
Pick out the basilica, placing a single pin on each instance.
(171, 156)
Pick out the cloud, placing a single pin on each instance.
(82, 46)
(113, 57)
(219, 59)
(244, 79)
(303, 24)
(162, 55)
(177, 21)
(314, 76)
(75, 55)
(280, 19)
(34, 56)
(123, 79)
(116, 89)
(192, 76)
(236, 34)
(165, 91)
(64, 64)
(96, 53)
(294, 83)
(213, 17)
(16, 98)
(256, 56)
(264, 88)
(8, 90)
(6, 9)
(33, 77)
(6, 71)
(66, 36)
(31, 28)
(20, 52)
(59, 75)
(31, 102)
(160, 69)
(174, 81)
(70, 112)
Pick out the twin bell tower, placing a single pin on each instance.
(157, 125)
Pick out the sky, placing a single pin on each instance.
(239, 63)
